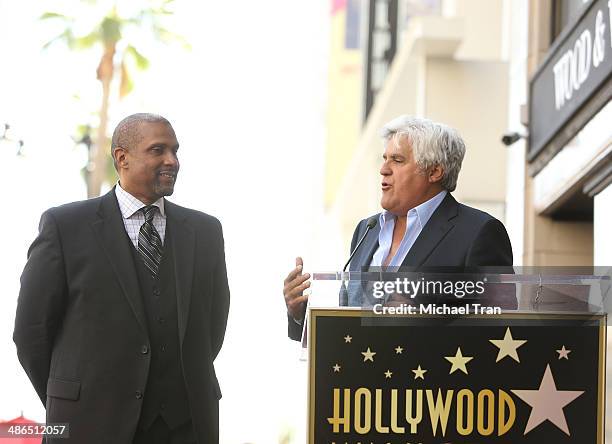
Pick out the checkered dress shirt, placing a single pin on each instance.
(133, 218)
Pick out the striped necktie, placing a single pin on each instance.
(149, 243)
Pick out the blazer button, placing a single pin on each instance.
(138, 394)
(144, 350)
(156, 291)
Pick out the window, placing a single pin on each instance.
(564, 13)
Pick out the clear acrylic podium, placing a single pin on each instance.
(367, 367)
(532, 289)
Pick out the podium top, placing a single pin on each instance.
(519, 278)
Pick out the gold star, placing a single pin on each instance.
(388, 374)
(347, 338)
(419, 373)
(368, 355)
(547, 403)
(563, 353)
(399, 350)
(336, 368)
(458, 361)
(507, 346)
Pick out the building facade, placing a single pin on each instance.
(446, 60)
(561, 84)
(568, 161)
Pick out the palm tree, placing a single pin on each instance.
(110, 35)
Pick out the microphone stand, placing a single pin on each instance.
(343, 296)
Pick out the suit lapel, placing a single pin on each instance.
(434, 231)
(110, 231)
(183, 245)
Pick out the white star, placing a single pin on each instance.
(399, 350)
(563, 353)
(388, 374)
(368, 355)
(336, 368)
(347, 338)
(547, 403)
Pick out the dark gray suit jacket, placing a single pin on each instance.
(80, 325)
(456, 237)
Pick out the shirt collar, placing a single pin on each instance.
(129, 205)
(422, 211)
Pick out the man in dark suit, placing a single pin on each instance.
(124, 302)
(422, 226)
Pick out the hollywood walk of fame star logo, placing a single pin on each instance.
(547, 403)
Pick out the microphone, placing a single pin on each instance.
(343, 296)
(370, 224)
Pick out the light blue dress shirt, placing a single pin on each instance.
(417, 217)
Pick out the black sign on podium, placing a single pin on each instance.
(519, 377)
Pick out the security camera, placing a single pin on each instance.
(510, 138)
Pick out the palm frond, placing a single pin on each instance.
(55, 15)
(89, 40)
(67, 36)
(166, 36)
(140, 60)
(126, 84)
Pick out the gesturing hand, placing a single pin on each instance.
(293, 290)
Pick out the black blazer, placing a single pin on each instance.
(80, 325)
(456, 236)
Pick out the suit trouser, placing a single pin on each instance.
(160, 433)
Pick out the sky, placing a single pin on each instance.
(248, 106)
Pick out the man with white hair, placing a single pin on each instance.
(421, 225)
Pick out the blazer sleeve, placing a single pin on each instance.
(221, 298)
(491, 247)
(41, 304)
(492, 250)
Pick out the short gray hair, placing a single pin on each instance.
(432, 144)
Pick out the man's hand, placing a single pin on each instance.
(295, 284)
